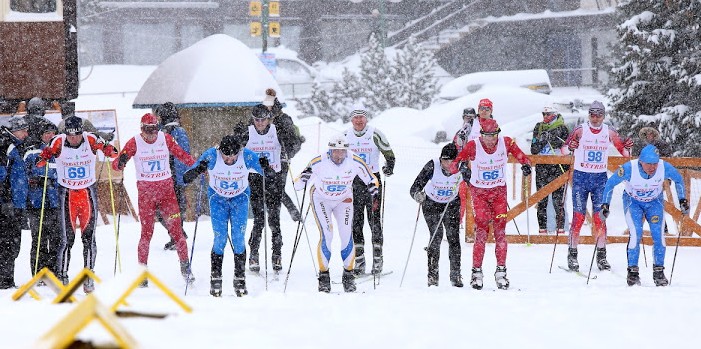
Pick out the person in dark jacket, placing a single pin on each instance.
(435, 189)
(548, 139)
(50, 226)
(36, 109)
(649, 135)
(170, 124)
(14, 199)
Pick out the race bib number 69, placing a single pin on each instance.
(78, 172)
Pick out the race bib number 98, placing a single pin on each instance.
(594, 156)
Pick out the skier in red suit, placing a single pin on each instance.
(151, 151)
(487, 158)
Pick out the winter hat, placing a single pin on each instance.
(485, 102)
(645, 131)
(358, 113)
(74, 125)
(36, 105)
(489, 127)
(449, 152)
(650, 154)
(48, 127)
(229, 145)
(549, 114)
(149, 119)
(168, 112)
(261, 112)
(269, 100)
(597, 108)
(18, 123)
(338, 141)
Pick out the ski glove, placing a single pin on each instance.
(465, 171)
(526, 169)
(108, 136)
(545, 137)
(419, 196)
(264, 163)
(373, 190)
(122, 161)
(604, 213)
(388, 171)
(574, 144)
(306, 174)
(684, 206)
(192, 173)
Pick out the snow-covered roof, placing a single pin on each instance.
(217, 71)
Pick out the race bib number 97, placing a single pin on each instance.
(77, 172)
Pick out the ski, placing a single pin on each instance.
(359, 279)
(578, 273)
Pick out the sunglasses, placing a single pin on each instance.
(490, 134)
(549, 114)
(150, 129)
(596, 114)
(259, 119)
(484, 108)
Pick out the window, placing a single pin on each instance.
(33, 6)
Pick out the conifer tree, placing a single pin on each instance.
(413, 78)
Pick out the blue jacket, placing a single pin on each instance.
(624, 172)
(36, 179)
(18, 175)
(183, 141)
(210, 155)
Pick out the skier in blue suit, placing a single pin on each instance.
(643, 199)
(228, 167)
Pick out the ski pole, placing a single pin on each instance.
(435, 231)
(411, 246)
(298, 235)
(508, 207)
(41, 217)
(265, 235)
(591, 265)
(676, 248)
(304, 223)
(382, 214)
(557, 232)
(527, 188)
(118, 259)
(119, 220)
(198, 209)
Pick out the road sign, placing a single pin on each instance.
(274, 29)
(255, 9)
(256, 28)
(274, 9)
(269, 61)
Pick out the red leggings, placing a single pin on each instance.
(160, 196)
(489, 204)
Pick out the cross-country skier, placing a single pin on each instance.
(330, 179)
(368, 143)
(76, 160)
(435, 188)
(151, 150)
(486, 173)
(228, 168)
(590, 144)
(643, 200)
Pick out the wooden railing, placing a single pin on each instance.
(689, 225)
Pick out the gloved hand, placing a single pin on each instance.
(545, 137)
(628, 143)
(420, 196)
(41, 163)
(684, 206)
(192, 173)
(110, 151)
(388, 171)
(574, 144)
(526, 169)
(465, 171)
(108, 136)
(122, 161)
(264, 163)
(604, 213)
(306, 174)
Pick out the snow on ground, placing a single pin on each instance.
(541, 310)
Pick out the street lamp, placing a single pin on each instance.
(381, 13)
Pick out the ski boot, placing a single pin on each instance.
(601, 261)
(89, 286)
(277, 262)
(170, 245)
(500, 278)
(572, 262)
(432, 270)
(560, 232)
(658, 276)
(542, 231)
(144, 283)
(240, 286)
(477, 279)
(63, 278)
(215, 280)
(186, 272)
(377, 259)
(633, 277)
(253, 264)
(359, 268)
(456, 279)
(324, 281)
(240, 274)
(348, 281)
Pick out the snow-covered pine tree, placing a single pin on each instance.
(642, 62)
(682, 127)
(319, 104)
(375, 77)
(414, 82)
